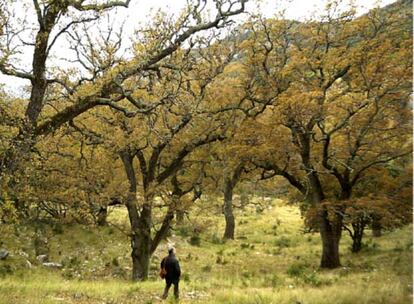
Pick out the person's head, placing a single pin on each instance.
(171, 250)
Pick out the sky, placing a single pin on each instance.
(141, 10)
(295, 9)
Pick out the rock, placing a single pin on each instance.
(42, 258)
(3, 254)
(77, 295)
(52, 265)
(23, 254)
(58, 299)
(28, 264)
(195, 294)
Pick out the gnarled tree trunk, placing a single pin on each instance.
(357, 236)
(228, 210)
(140, 224)
(230, 181)
(330, 229)
(141, 245)
(331, 234)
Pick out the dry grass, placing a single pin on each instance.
(271, 261)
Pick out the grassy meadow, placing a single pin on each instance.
(271, 260)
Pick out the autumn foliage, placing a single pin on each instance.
(203, 107)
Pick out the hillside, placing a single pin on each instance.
(271, 261)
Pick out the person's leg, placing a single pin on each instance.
(176, 291)
(167, 287)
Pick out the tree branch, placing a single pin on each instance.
(98, 7)
(177, 162)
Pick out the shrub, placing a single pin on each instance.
(295, 270)
(119, 272)
(215, 239)
(206, 268)
(221, 260)
(368, 246)
(183, 231)
(57, 228)
(115, 262)
(186, 277)
(195, 240)
(5, 270)
(312, 279)
(272, 280)
(246, 246)
(74, 261)
(283, 242)
(246, 274)
(259, 209)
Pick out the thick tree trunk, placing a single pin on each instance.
(140, 224)
(357, 238)
(330, 230)
(141, 245)
(24, 142)
(137, 265)
(228, 210)
(40, 55)
(376, 227)
(331, 235)
(140, 259)
(356, 245)
(230, 181)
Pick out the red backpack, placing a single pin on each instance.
(163, 272)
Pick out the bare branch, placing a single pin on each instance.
(98, 7)
(65, 29)
(38, 13)
(377, 162)
(12, 72)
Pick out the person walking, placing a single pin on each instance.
(170, 269)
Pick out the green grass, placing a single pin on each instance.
(270, 261)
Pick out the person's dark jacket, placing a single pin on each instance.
(171, 265)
